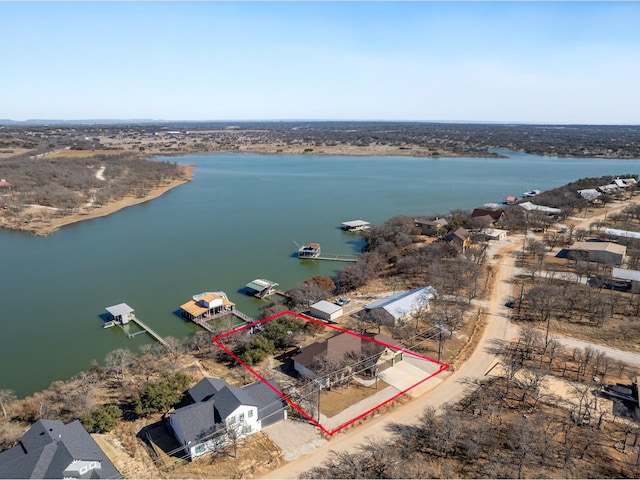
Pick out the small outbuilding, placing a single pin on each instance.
(326, 310)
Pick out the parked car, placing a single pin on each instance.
(510, 304)
(343, 301)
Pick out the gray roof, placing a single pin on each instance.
(49, 447)
(260, 284)
(624, 274)
(268, 401)
(613, 232)
(326, 307)
(198, 421)
(402, 303)
(355, 223)
(541, 208)
(589, 194)
(230, 398)
(120, 309)
(206, 388)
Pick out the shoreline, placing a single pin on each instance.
(56, 223)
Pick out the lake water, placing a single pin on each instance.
(236, 221)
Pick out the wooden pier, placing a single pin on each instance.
(337, 257)
(204, 322)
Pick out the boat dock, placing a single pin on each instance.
(122, 314)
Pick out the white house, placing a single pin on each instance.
(222, 410)
(326, 310)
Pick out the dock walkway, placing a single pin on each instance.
(337, 257)
(149, 330)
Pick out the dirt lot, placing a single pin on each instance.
(338, 399)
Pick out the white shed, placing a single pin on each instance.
(326, 310)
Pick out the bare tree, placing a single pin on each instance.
(6, 397)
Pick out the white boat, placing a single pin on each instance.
(531, 193)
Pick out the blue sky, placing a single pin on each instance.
(547, 62)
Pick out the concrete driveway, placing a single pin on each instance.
(405, 374)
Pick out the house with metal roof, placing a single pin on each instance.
(220, 408)
(51, 449)
(600, 252)
(528, 206)
(589, 194)
(399, 306)
(325, 310)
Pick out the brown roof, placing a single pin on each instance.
(337, 346)
(481, 212)
(193, 308)
(460, 233)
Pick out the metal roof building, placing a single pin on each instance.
(325, 310)
(401, 304)
(612, 232)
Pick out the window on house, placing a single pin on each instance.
(200, 449)
(246, 429)
(232, 420)
(242, 417)
(250, 414)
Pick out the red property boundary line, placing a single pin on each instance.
(217, 341)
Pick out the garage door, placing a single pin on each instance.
(273, 418)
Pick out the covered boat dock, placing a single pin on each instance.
(261, 288)
(355, 225)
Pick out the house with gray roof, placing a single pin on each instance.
(51, 449)
(221, 409)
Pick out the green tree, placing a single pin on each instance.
(161, 396)
(102, 420)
